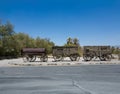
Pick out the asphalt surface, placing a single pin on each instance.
(82, 79)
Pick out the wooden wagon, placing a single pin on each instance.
(59, 52)
(101, 52)
(30, 54)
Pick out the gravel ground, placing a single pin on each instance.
(51, 62)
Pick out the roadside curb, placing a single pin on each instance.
(61, 63)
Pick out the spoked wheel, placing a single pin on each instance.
(29, 58)
(58, 57)
(74, 57)
(87, 57)
(102, 58)
(44, 58)
(109, 57)
(25, 58)
(33, 58)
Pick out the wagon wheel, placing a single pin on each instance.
(29, 58)
(102, 58)
(44, 58)
(58, 57)
(87, 57)
(32, 58)
(25, 58)
(109, 57)
(74, 57)
(93, 55)
(78, 57)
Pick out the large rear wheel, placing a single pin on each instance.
(74, 57)
(29, 58)
(25, 58)
(58, 57)
(87, 57)
(109, 57)
(102, 57)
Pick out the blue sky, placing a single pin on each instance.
(93, 22)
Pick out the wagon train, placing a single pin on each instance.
(58, 52)
(93, 52)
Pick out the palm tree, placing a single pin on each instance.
(69, 41)
(76, 41)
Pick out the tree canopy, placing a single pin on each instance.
(72, 42)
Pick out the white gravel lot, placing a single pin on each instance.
(51, 62)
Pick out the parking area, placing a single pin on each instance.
(90, 79)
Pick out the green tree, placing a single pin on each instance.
(44, 43)
(69, 41)
(76, 41)
(6, 33)
(73, 42)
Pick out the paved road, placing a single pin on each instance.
(83, 79)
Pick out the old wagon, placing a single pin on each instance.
(30, 54)
(59, 52)
(101, 52)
